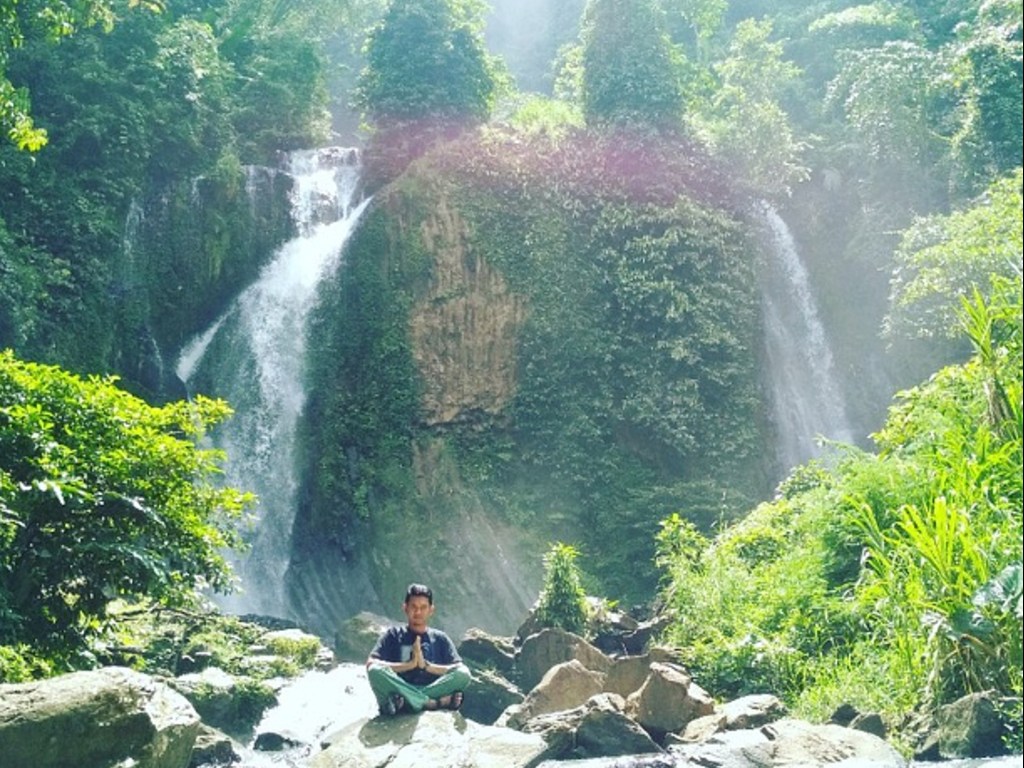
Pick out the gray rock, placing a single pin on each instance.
(597, 728)
(549, 647)
(668, 700)
(356, 636)
(605, 731)
(96, 719)
(969, 727)
(753, 711)
(641, 761)
(702, 728)
(628, 673)
(486, 651)
(435, 739)
(275, 741)
(489, 694)
(565, 686)
(213, 748)
(871, 722)
(788, 743)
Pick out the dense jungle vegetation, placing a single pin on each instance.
(889, 132)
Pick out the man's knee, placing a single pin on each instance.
(376, 672)
(461, 675)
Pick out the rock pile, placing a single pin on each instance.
(541, 698)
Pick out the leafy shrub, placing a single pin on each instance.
(20, 664)
(236, 709)
(300, 650)
(562, 601)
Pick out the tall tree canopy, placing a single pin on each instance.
(630, 70)
(40, 20)
(425, 59)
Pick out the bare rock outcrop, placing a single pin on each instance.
(96, 719)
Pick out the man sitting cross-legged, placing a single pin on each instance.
(414, 667)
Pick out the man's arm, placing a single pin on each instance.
(449, 654)
(383, 648)
(397, 666)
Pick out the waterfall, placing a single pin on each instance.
(806, 398)
(253, 357)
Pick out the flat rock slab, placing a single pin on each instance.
(435, 739)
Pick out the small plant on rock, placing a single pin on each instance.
(562, 601)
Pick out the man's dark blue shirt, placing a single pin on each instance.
(395, 645)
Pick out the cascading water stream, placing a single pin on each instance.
(253, 356)
(807, 401)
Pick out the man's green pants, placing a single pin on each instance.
(384, 682)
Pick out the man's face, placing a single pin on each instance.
(418, 611)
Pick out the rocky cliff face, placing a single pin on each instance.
(464, 329)
(524, 344)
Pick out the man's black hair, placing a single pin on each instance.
(419, 590)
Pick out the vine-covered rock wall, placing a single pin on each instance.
(528, 341)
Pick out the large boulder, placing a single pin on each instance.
(483, 650)
(233, 704)
(606, 731)
(565, 686)
(969, 727)
(435, 739)
(488, 695)
(357, 635)
(788, 743)
(96, 719)
(668, 700)
(597, 728)
(628, 673)
(549, 647)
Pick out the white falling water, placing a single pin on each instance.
(253, 357)
(807, 402)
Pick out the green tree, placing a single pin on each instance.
(562, 601)
(745, 120)
(943, 258)
(630, 69)
(988, 76)
(704, 19)
(426, 59)
(101, 497)
(21, 22)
